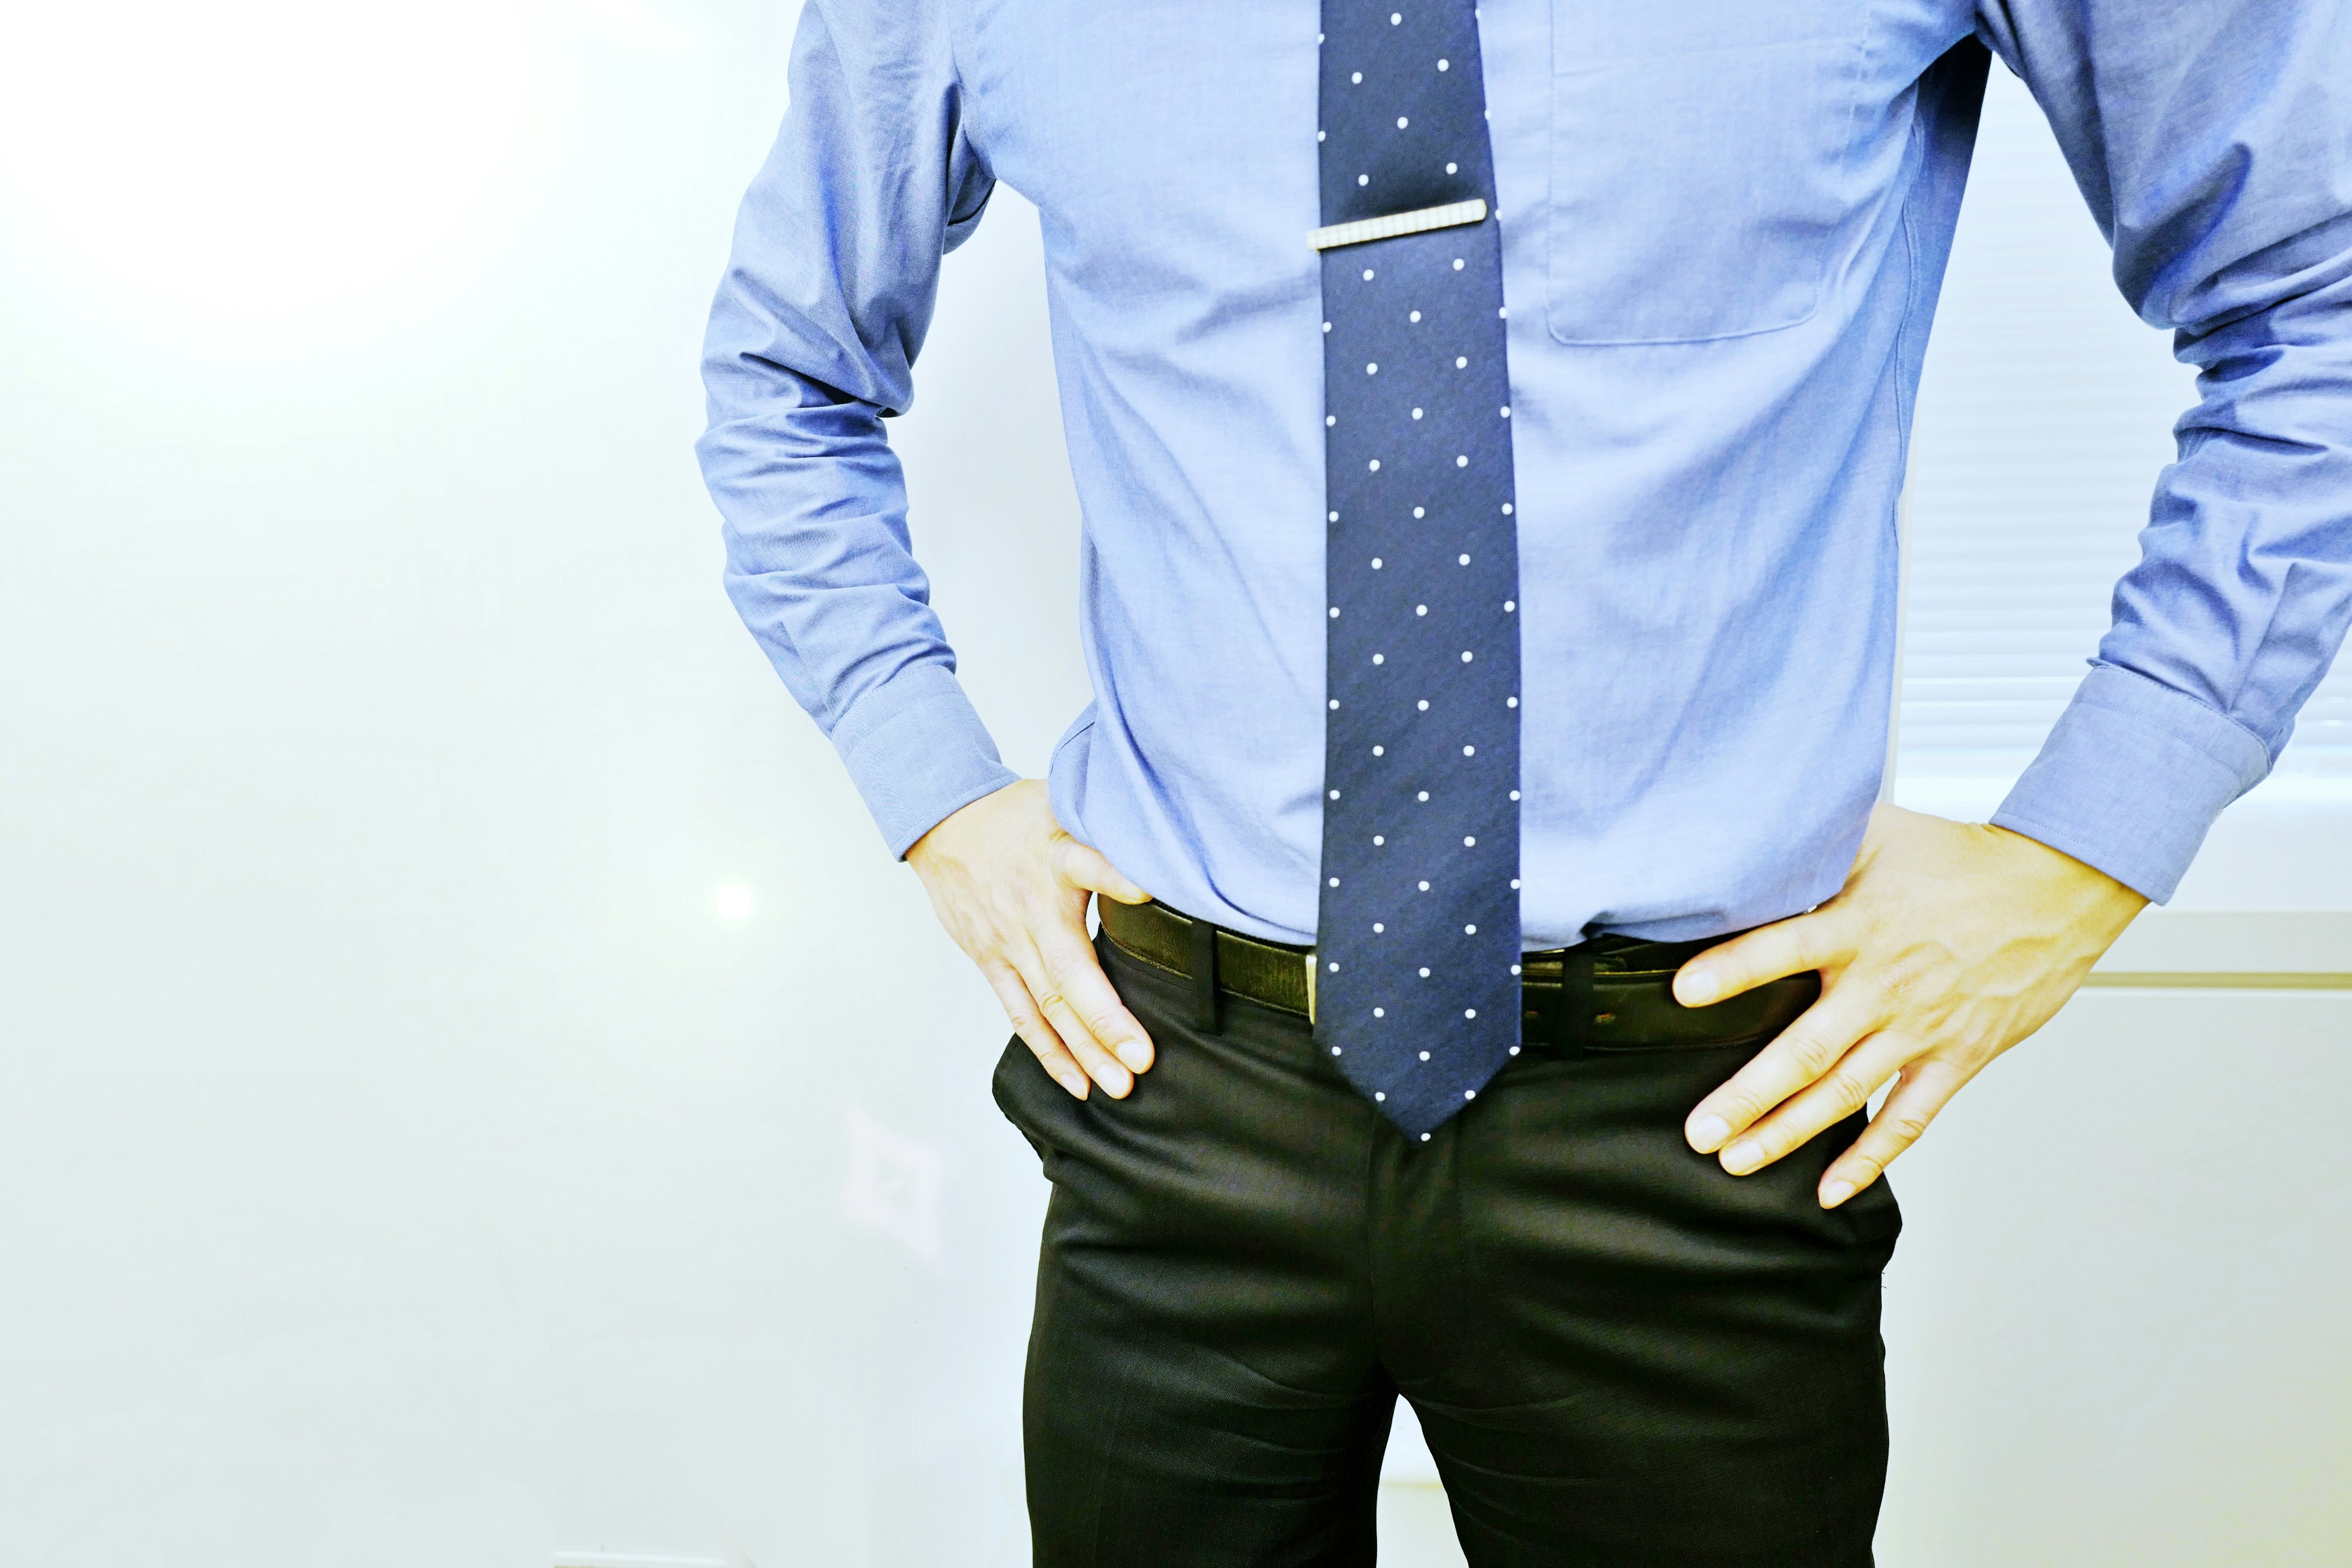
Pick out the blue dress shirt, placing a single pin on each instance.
(1724, 226)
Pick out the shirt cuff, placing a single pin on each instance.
(917, 750)
(2131, 778)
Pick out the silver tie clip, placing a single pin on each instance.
(1419, 221)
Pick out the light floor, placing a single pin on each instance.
(1416, 1528)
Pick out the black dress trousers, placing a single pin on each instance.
(1620, 1355)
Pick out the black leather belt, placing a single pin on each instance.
(1610, 993)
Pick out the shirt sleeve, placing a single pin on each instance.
(2213, 139)
(824, 304)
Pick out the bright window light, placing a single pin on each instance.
(259, 163)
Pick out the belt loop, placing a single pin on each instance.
(1572, 1030)
(1205, 978)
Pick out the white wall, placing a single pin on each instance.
(402, 1162)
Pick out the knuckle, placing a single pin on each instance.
(1904, 981)
(1846, 1087)
(1815, 1053)
(1740, 1107)
(1907, 1127)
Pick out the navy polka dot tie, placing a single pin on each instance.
(1417, 950)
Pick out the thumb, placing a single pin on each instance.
(1083, 866)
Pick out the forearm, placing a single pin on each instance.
(812, 340)
(2213, 144)
(819, 568)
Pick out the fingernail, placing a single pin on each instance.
(1136, 1057)
(1743, 1156)
(1697, 987)
(1707, 1133)
(1836, 1192)
(1076, 1084)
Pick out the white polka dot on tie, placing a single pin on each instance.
(1424, 974)
(1371, 369)
(1332, 517)
(1514, 794)
(1424, 887)
(1515, 887)
(1329, 420)
(1469, 751)
(1395, 17)
(1462, 462)
(1380, 751)
(1466, 656)
(1470, 1093)
(1462, 559)
(1379, 659)
(1507, 508)
(1335, 612)
(1515, 1050)
(1327, 326)
(1375, 466)
(1402, 122)
(1378, 840)
(1469, 1012)
(1376, 562)
(1424, 1056)
(1469, 931)
(1335, 703)
(1416, 414)
(1421, 609)
(1335, 967)
(1378, 928)
(1469, 842)
(1507, 411)
(1449, 168)
(1457, 264)
(1334, 882)
(1413, 316)
(1423, 795)
(1460, 363)
(1422, 707)
(1380, 1013)
(1444, 65)
(1358, 78)
(1509, 605)
(1363, 179)
(1419, 512)
(1504, 312)
(1515, 969)
(1335, 794)
(1377, 1094)
(1424, 1137)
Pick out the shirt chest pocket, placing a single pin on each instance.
(1699, 160)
